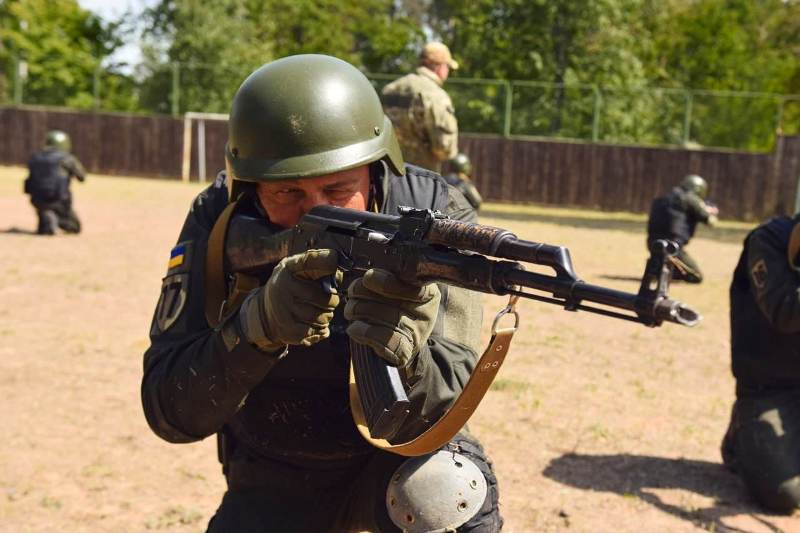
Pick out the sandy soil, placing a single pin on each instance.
(594, 424)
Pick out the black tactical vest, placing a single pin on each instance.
(670, 218)
(300, 412)
(47, 179)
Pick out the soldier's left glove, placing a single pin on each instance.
(390, 316)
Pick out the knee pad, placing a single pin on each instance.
(436, 493)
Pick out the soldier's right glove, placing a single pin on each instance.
(293, 307)
(390, 316)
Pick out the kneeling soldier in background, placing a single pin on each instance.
(762, 444)
(459, 177)
(675, 216)
(50, 172)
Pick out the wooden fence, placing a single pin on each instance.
(613, 177)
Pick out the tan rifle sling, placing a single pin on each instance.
(219, 300)
(441, 432)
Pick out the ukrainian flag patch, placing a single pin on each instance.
(177, 256)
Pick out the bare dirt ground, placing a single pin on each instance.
(594, 424)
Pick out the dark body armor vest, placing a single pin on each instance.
(671, 218)
(47, 180)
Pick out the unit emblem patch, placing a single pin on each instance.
(759, 274)
(172, 301)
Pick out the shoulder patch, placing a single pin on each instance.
(172, 301)
(759, 274)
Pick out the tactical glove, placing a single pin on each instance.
(293, 307)
(393, 318)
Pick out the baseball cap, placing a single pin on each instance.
(438, 53)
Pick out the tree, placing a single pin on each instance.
(63, 47)
(558, 44)
(217, 44)
(729, 45)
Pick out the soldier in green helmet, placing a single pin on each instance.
(460, 178)
(270, 377)
(50, 172)
(422, 111)
(675, 216)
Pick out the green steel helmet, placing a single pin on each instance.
(696, 184)
(304, 116)
(59, 140)
(461, 163)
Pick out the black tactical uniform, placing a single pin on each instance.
(50, 172)
(289, 448)
(675, 217)
(763, 441)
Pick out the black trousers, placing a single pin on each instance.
(762, 445)
(56, 214)
(268, 496)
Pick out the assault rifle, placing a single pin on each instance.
(420, 245)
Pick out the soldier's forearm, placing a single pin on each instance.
(191, 389)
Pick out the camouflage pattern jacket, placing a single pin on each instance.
(199, 381)
(423, 117)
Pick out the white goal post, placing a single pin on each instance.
(200, 118)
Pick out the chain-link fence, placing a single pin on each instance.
(511, 108)
(640, 115)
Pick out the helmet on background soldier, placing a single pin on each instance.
(304, 116)
(696, 184)
(58, 140)
(461, 164)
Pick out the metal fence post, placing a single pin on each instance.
(96, 87)
(687, 118)
(779, 116)
(176, 89)
(598, 100)
(17, 80)
(509, 104)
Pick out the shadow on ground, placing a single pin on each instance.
(633, 475)
(17, 231)
(735, 235)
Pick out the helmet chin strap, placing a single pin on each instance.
(377, 171)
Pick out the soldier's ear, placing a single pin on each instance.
(794, 246)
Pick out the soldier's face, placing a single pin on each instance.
(443, 71)
(286, 201)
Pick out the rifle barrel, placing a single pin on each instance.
(572, 292)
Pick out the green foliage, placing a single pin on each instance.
(727, 45)
(212, 64)
(564, 43)
(63, 46)
(624, 46)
